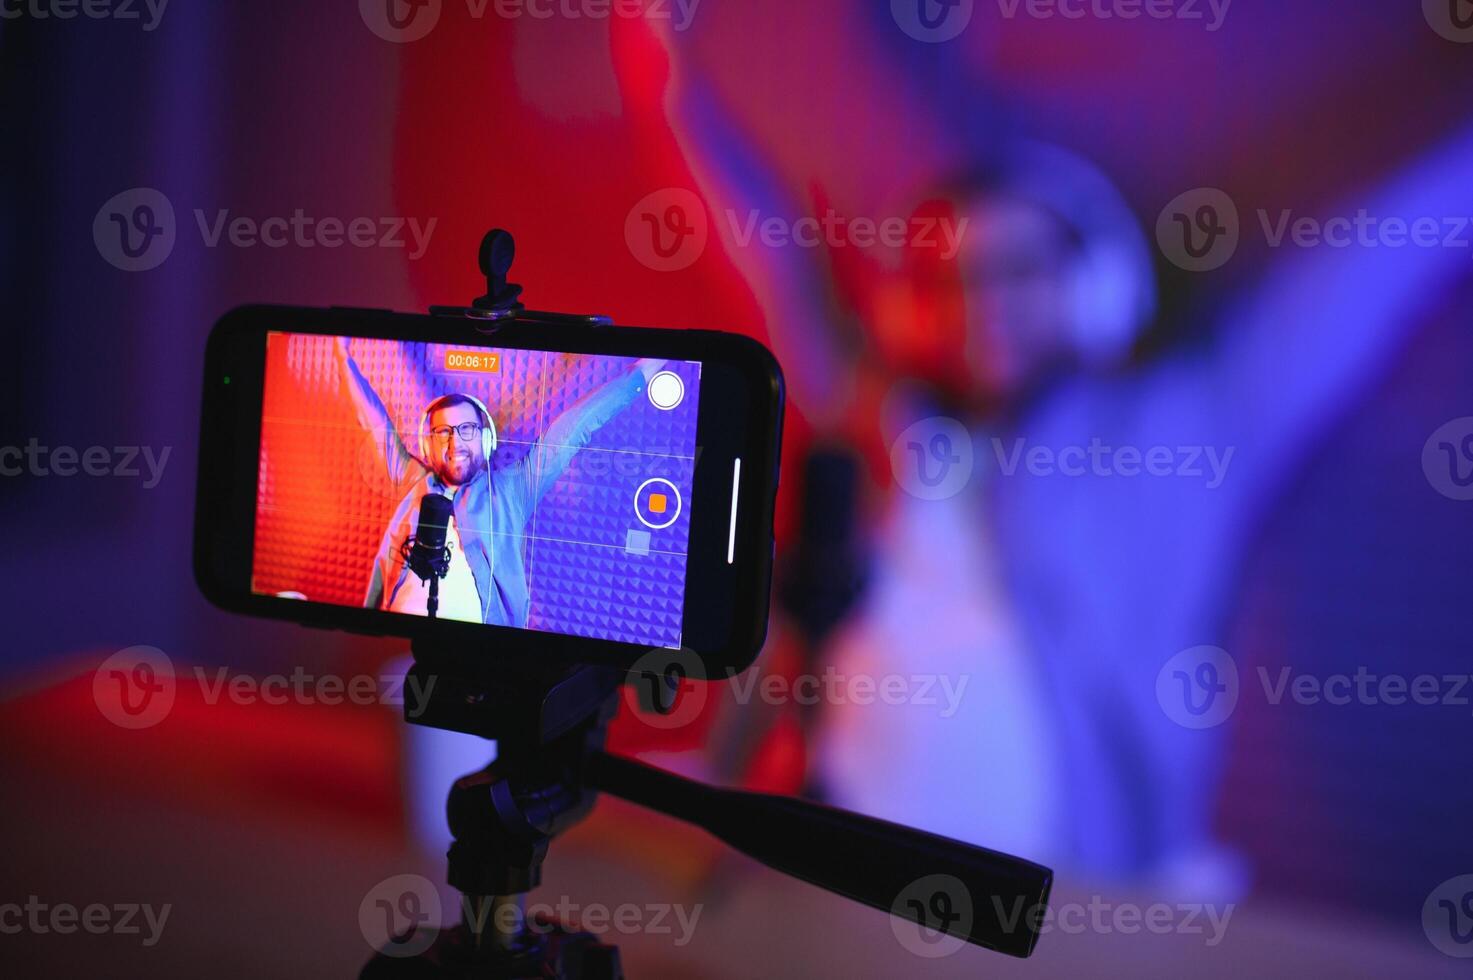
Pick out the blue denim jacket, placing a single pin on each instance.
(492, 511)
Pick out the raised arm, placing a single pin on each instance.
(572, 430)
(372, 415)
(791, 285)
(1329, 319)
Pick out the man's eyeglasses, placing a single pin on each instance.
(466, 430)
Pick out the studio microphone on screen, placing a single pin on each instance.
(426, 552)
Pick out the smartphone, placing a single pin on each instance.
(510, 490)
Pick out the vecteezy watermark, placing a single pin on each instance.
(400, 916)
(656, 688)
(300, 687)
(666, 689)
(400, 21)
(135, 688)
(1102, 917)
(1365, 688)
(1447, 917)
(632, 462)
(136, 230)
(1364, 230)
(1200, 230)
(932, 916)
(669, 230)
(63, 919)
(1451, 19)
(1447, 459)
(1100, 459)
(937, 21)
(933, 21)
(1200, 688)
(627, 919)
(403, 21)
(938, 691)
(934, 458)
(680, 13)
(37, 460)
(1211, 14)
(939, 233)
(304, 231)
(147, 12)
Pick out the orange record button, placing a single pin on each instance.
(488, 362)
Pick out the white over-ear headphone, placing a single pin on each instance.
(488, 427)
(1113, 286)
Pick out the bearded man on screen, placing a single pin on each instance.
(453, 456)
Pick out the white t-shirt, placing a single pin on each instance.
(974, 720)
(459, 597)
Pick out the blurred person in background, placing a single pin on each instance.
(1050, 592)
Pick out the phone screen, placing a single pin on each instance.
(569, 479)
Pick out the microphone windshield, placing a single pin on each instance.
(434, 521)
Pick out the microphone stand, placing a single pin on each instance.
(550, 724)
(428, 568)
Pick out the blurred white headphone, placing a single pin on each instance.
(1113, 286)
(488, 425)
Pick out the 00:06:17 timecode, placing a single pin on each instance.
(469, 360)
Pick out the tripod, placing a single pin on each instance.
(550, 725)
(504, 817)
(550, 730)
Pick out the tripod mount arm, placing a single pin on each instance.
(985, 897)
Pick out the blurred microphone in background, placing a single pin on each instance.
(817, 584)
